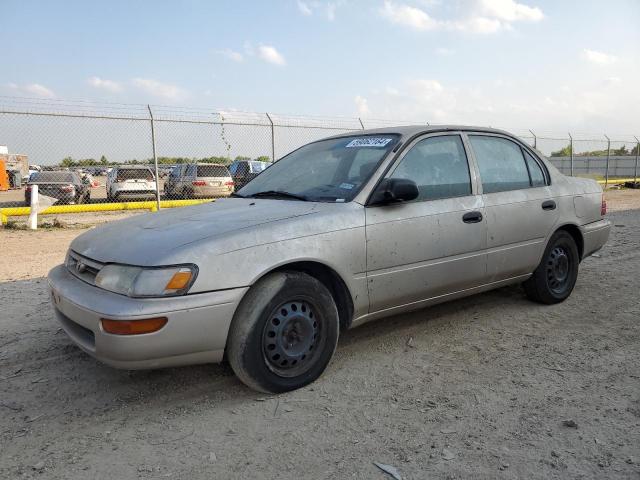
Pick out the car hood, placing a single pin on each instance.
(153, 239)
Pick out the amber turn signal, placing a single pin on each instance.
(179, 281)
(133, 327)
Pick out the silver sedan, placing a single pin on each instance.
(341, 231)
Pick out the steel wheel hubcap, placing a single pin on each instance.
(290, 338)
(558, 269)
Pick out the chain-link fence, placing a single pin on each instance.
(88, 153)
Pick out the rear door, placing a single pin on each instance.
(433, 245)
(520, 207)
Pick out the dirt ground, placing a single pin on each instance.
(492, 386)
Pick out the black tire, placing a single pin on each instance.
(283, 333)
(553, 280)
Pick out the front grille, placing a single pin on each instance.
(82, 267)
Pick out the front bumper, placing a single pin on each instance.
(196, 331)
(595, 235)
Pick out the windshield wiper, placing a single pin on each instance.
(278, 193)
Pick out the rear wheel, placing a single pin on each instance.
(554, 279)
(284, 333)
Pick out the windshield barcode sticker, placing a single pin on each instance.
(369, 142)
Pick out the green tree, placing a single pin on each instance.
(563, 152)
(264, 158)
(621, 151)
(68, 162)
(103, 160)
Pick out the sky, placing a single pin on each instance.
(539, 64)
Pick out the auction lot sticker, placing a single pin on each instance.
(369, 142)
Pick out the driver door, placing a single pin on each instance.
(435, 244)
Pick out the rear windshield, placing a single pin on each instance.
(212, 171)
(257, 167)
(46, 177)
(134, 174)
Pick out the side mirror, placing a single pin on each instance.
(394, 190)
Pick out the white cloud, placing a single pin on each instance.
(331, 11)
(34, 89)
(407, 16)
(158, 89)
(485, 16)
(271, 55)
(310, 7)
(586, 104)
(510, 11)
(362, 106)
(598, 58)
(444, 52)
(304, 8)
(231, 54)
(105, 84)
(482, 25)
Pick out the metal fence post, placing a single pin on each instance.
(273, 139)
(571, 151)
(606, 172)
(535, 140)
(635, 169)
(361, 124)
(155, 158)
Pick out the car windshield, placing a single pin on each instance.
(330, 170)
(52, 177)
(134, 174)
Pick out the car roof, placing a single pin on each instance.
(212, 164)
(412, 130)
(132, 167)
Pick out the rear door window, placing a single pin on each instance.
(501, 164)
(212, 171)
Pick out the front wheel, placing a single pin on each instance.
(284, 332)
(554, 279)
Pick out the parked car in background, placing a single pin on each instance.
(339, 232)
(67, 187)
(130, 183)
(243, 171)
(202, 180)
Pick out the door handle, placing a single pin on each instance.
(472, 217)
(549, 205)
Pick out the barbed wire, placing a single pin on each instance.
(17, 105)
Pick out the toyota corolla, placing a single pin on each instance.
(342, 231)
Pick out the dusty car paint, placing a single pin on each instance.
(392, 258)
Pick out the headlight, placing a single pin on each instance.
(146, 282)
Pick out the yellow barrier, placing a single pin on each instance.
(614, 181)
(100, 207)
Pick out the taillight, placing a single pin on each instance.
(229, 184)
(603, 206)
(27, 188)
(67, 188)
(199, 183)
